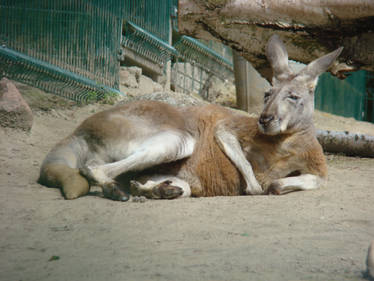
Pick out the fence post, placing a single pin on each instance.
(250, 86)
(168, 63)
(241, 81)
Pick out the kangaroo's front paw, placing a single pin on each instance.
(254, 189)
(166, 191)
(135, 188)
(275, 188)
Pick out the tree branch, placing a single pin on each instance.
(308, 28)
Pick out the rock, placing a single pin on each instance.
(222, 92)
(14, 111)
(133, 83)
(157, 87)
(136, 71)
(146, 85)
(127, 78)
(370, 261)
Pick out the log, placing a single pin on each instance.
(350, 144)
(309, 29)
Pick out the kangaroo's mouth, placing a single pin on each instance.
(271, 128)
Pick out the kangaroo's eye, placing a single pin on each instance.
(267, 96)
(293, 97)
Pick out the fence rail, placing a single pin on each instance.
(79, 39)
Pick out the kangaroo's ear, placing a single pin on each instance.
(314, 69)
(277, 55)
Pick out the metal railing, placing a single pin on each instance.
(67, 43)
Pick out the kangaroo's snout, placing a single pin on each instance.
(269, 124)
(265, 119)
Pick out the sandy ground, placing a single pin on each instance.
(314, 235)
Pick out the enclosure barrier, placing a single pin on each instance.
(342, 97)
(146, 44)
(72, 48)
(50, 78)
(69, 48)
(196, 64)
(151, 15)
(192, 50)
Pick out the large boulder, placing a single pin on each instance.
(14, 111)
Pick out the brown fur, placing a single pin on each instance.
(272, 157)
(134, 137)
(217, 174)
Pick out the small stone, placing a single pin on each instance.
(139, 199)
(142, 199)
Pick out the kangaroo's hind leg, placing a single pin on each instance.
(164, 147)
(111, 189)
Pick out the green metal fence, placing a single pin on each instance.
(196, 63)
(151, 15)
(147, 32)
(370, 97)
(194, 51)
(147, 29)
(346, 97)
(67, 47)
(146, 44)
(72, 47)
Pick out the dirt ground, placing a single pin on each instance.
(314, 235)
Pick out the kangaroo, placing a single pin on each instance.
(199, 150)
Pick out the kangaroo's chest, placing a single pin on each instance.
(274, 160)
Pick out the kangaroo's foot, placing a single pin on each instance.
(163, 190)
(112, 191)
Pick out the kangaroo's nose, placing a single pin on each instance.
(264, 119)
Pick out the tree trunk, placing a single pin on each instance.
(347, 143)
(308, 28)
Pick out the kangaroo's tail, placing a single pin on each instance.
(60, 168)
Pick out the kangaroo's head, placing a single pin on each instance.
(289, 104)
